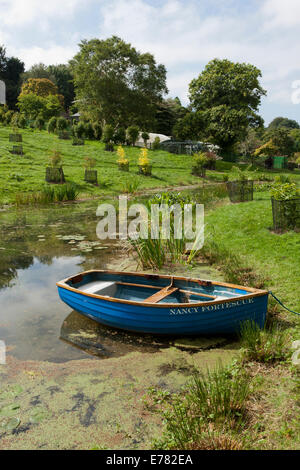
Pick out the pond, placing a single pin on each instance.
(38, 247)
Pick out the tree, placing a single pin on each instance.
(168, 112)
(132, 134)
(283, 122)
(190, 127)
(116, 84)
(11, 69)
(40, 87)
(228, 95)
(281, 139)
(60, 75)
(250, 143)
(32, 105)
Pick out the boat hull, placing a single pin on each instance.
(223, 317)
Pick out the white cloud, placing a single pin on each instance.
(281, 13)
(182, 34)
(21, 12)
(52, 54)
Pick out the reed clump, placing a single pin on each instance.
(263, 345)
(48, 194)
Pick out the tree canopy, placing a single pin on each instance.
(226, 97)
(117, 84)
(60, 75)
(11, 69)
(283, 122)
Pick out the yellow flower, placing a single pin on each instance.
(143, 159)
(121, 155)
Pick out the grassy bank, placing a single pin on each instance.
(27, 173)
(253, 403)
(244, 231)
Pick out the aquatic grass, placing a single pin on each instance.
(263, 345)
(130, 186)
(48, 194)
(67, 192)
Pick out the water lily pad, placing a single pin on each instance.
(12, 391)
(10, 424)
(9, 410)
(38, 415)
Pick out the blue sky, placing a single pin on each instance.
(182, 34)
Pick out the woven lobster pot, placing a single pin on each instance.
(90, 176)
(123, 166)
(240, 191)
(54, 175)
(17, 150)
(15, 137)
(77, 141)
(64, 135)
(145, 170)
(286, 214)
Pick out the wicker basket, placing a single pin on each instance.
(240, 191)
(286, 214)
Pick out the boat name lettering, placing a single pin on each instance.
(210, 308)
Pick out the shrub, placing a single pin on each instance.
(8, 117)
(22, 121)
(79, 130)
(199, 165)
(89, 162)
(55, 159)
(89, 130)
(62, 124)
(108, 133)
(144, 163)
(132, 134)
(97, 128)
(39, 123)
(51, 127)
(156, 144)
(145, 137)
(122, 161)
(109, 147)
(120, 136)
(14, 120)
(285, 191)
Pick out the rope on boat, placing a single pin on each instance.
(273, 295)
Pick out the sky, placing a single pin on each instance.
(184, 35)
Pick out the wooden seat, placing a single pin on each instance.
(155, 298)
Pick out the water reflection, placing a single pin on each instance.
(102, 341)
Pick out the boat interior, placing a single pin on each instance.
(152, 288)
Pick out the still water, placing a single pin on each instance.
(38, 247)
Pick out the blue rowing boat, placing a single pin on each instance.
(163, 304)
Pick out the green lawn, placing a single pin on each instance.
(244, 229)
(27, 173)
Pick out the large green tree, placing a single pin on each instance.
(227, 95)
(117, 84)
(283, 122)
(11, 69)
(282, 139)
(168, 112)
